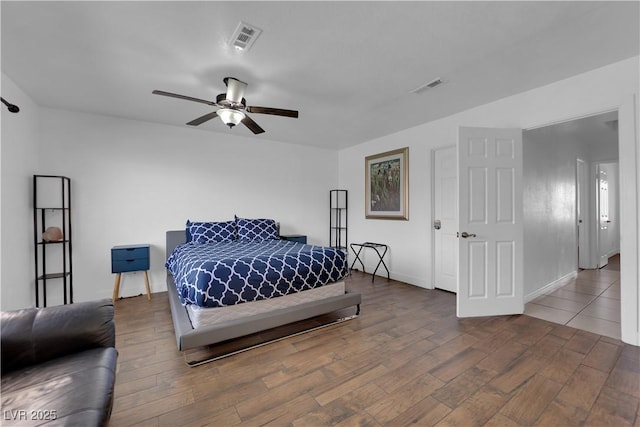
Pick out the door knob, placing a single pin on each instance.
(464, 235)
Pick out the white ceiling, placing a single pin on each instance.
(348, 67)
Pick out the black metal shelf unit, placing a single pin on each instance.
(338, 237)
(53, 259)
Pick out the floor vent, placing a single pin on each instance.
(244, 36)
(433, 83)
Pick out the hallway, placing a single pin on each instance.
(590, 302)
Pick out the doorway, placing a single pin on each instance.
(566, 223)
(607, 208)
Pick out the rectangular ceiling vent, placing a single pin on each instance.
(433, 83)
(244, 36)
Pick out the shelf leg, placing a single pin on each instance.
(116, 287)
(146, 283)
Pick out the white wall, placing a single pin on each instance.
(410, 258)
(132, 181)
(19, 156)
(549, 198)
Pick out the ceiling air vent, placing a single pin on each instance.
(433, 83)
(244, 36)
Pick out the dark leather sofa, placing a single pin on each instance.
(58, 365)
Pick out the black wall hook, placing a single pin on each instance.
(12, 108)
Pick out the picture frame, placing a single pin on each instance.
(387, 185)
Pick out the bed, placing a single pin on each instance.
(200, 322)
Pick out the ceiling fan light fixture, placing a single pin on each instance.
(231, 117)
(232, 107)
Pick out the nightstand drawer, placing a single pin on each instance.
(129, 252)
(126, 258)
(122, 266)
(295, 238)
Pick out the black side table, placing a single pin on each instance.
(376, 247)
(300, 238)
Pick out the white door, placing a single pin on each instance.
(490, 247)
(445, 218)
(581, 213)
(603, 217)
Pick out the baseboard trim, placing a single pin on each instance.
(613, 252)
(556, 284)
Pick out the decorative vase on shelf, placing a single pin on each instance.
(52, 234)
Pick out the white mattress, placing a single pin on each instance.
(200, 316)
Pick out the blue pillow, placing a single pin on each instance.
(256, 230)
(205, 232)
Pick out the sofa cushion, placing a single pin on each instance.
(31, 336)
(78, 388)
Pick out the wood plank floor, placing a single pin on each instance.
(406, 360)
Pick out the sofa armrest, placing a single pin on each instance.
(32, 335)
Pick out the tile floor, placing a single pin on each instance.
(590, 302)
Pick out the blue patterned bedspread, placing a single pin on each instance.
(227, 273)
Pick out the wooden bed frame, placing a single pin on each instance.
(188, 337)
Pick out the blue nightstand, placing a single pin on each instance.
(295, 238)
(127, 258)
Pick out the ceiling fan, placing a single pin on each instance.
(233, 107)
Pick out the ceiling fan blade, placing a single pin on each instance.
(253, 126)
(273, 111)
(188, 98)
(235, 89)
(206, 117)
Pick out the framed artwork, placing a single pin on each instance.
(387, 185)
